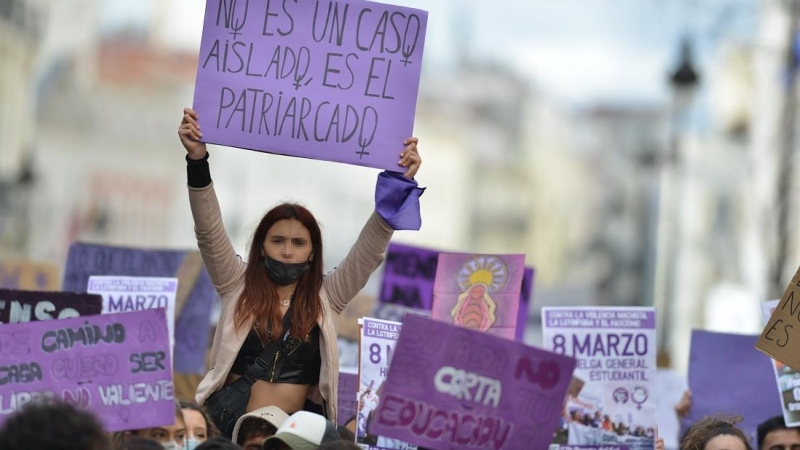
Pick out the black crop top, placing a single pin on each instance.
(295, 362)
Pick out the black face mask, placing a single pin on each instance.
(282, 273)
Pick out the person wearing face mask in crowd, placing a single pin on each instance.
(171, 437)
(283, 279)
(199, 426)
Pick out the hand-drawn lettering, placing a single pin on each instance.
(468, 386)
(81, 398)
(83, 367)
(148, 361)
(16, 343)
(234, 21)
(782, 332)
(268, 14)
(15, 401)
(20, 373)
(330, 69)
(547, 373)
(136, 393)
(332, 20)
(87, 335)
(468, 430)
(372, 76)
(292, 116)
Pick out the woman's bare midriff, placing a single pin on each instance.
(286, 396)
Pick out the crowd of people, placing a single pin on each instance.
(273, 378)
(56, 425)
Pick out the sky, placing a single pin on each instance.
(581, 52)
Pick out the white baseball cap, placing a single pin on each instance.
(304, 430)
(271, 414)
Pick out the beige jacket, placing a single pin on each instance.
(226, 269)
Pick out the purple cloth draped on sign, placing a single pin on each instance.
(397, 201)
(728, 375)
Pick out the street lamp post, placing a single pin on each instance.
(683, 81)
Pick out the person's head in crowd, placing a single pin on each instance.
(170, 436)
(773, 434)
(218, 443)
(715, 433)
(341, 445)
(303, 430)
(253, 428)
(199, 426)
(53, 425)
(346, 433)
(140, 443)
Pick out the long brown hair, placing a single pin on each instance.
(260, 295)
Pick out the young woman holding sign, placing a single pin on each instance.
(275, 342)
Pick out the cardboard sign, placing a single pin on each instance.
(28, 275)
(335, 80)
(452, 387)
(781, 337)
(29, 306)
(728, 376)
(787, 379)
(616, 353)
(481, 292)
(115, 365)
(193, 301)
(408, 276)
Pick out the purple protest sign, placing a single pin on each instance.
(29, 306)
(348, 390)
(727, 375)
(524, 303)
(330, 80)
(616, 353)
(451, 387)
(115, 365)
(408, 276)
(481, 292)
(195, 291)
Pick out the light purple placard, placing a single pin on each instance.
(481, 292)
(615, 348)
(524, 303)
(328, 80)
(514, 397)
(727, 375)
(115, 365)
(408, 276)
